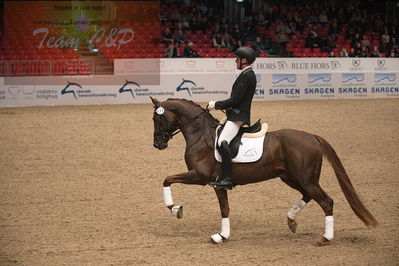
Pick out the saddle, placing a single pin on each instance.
(248, 132)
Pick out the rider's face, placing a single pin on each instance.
(238, 62)
(238, 65)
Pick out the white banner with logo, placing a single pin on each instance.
(202, 80)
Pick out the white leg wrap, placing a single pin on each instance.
(297, 208)
(225, 228)
(224, 234)
(329, 230)
(167, 196)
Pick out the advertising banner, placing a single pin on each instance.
(202, 80)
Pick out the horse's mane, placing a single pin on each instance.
(195, 105)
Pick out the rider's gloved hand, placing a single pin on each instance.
(211, 105)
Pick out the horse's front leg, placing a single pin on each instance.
(225, 210)
(189, 177)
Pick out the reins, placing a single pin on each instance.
(177, 131)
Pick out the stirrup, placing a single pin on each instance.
(219, 185)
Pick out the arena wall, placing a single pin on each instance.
(201, 79)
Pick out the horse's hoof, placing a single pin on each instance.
(177, 211)
(321, 241)
(292, 224)
(217, 239)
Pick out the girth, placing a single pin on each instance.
(236, 142)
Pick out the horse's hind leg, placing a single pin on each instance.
(326, 203)
(299, 205)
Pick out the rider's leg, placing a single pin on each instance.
(230, 130)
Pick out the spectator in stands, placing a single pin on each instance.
(375, 52)
(282, 38)
(331, 54)
(323, 44)
(236, 33)
(226, 28)
(228, 40)
(175, 16)
(356, 39)
(172, 50)
(203, 23)
(194, 25)
(217, 29)
(238, 44)
(331, 42)
(180, 37)
(189, 51)
(352, 52)
(394, 45)
(358, 48)
(392, 54)
(364, 52)
(218, 42)
(259, 45)
(385, 37)
(393, 32)
(167, 36)
(281, 27)
(183, 24)
(334, 28)
(385, 40)
(312, 41)
(290, 28)
(343, 52)
(323, 18)
(365, 41)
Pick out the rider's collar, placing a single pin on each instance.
(245, 68)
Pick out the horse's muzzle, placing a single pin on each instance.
(160, 145)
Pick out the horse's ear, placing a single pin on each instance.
(155, 102)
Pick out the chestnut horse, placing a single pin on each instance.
(293, 156)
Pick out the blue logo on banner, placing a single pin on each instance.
(353, 79)
(258, 78)
(128, 89)
(385, 78)
(185, 81)
(319, 79)
(65, 90)
(284, 80)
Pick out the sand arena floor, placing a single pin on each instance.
(83, 186)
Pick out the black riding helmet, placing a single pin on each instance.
(246, 52)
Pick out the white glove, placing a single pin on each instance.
(211, 105)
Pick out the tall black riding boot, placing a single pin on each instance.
(227, 181)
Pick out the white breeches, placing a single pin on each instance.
(229, 131)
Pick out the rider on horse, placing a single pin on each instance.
(238, 109)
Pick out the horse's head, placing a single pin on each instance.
(165, 125)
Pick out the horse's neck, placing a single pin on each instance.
(200, 130)
(194, 130)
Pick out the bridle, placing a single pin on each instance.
(168, 135)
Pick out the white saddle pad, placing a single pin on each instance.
(250, 150)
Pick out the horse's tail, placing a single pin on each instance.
(346, 186)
